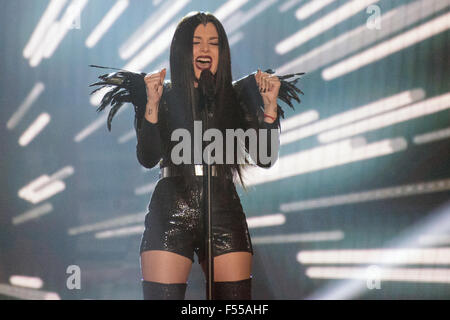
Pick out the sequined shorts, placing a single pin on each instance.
(172, 224)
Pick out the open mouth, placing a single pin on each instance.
(203, 62)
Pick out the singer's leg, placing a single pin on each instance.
(164, 275)
(232, 276)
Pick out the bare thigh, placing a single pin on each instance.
(233, 266)
(165, 267)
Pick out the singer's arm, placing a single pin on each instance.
(148, 148)
(248, 93)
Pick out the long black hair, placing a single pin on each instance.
(227, 111)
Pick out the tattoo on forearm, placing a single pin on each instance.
(149, 111)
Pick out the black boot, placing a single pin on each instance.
(233, 290)
(163, 291)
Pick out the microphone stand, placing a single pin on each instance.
(207, 205)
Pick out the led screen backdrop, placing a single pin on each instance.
(356, 207)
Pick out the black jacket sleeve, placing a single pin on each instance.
(253, 105)
(148, 148)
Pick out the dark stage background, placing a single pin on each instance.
(357, 206)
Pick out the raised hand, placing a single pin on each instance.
(154, 86)
(269, 86)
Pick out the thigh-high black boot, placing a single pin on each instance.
(163, 291)
(233, 290)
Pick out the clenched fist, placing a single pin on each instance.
(154, 86)
(269, 87)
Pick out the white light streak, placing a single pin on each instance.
(365, 111)
(122, 232)
(323, 24)
(235, 38)
(73, 10)
(360, 37)
(49, 38)
(57, 31)
(288, 4)
(228, 8)
(240, 19)
(33, 213)
(65, 172)
(266, 221)
(47, 192)
(26, 281)
(386, 48)
(432, 136)
(27, 294)
(434, 239)
(435, 222)
(323, 157)
(370, 195)
(44, 186)
(49, 16)
(311, 7)
(153, 50)
(146, 189)
(127, 136)
(106, 23)
(420, 109)
(98, 123)
(34, 129)
(30, 194)
(320, 236)
(25, 105)
(426, 275)
(162, 16)
(427, 256)
(110, 223)
(299, 120)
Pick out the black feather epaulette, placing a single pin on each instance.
(126, 86)
(288, 90)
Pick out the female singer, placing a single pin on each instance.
(174, 224)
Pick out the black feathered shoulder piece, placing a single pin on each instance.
(125, 86)
(248, 92)
(288, 89)
(129, 87)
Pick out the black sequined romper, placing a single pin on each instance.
(174, 225)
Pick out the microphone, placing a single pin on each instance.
(207, 87)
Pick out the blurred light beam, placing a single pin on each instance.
(420, 109)
(34, 129)
(321, 25)
(319, 236)
(49, 16)
(108, 20)
(425, 275)
(26, 281)
(266, 221)
(311, 8)
(25, 105)
(358, 113)
(151, 27)
(389, 47)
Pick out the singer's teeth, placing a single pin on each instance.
(203, 60)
